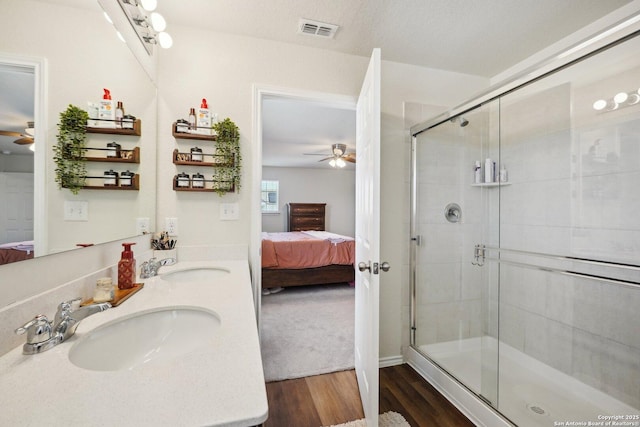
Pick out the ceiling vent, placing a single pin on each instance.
(316, 28)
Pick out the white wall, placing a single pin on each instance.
(335, 187)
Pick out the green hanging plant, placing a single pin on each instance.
(227, 164)
(71, 171)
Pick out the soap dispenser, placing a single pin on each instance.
(127, 268)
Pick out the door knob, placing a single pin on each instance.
(362, 266)
(385, 266)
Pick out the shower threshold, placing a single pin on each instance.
(530, 393)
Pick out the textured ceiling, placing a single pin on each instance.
(482, 37)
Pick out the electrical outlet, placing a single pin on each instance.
(229, 211)
(171, 226)
(142, 226)
(76, 210)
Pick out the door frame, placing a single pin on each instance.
(255, 241)
(40, 78)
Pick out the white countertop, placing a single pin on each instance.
(220, 385)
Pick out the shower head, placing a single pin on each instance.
(460, 120)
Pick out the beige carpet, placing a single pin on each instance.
(307, 330)
(388, 419)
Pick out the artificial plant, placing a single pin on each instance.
(226, 173)
(71, 171)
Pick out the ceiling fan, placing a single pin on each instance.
(23, 138)
(339, 156)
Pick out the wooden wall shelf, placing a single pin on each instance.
(134, 187)
(182, 135)
(134, 157)
(136, 131)
(208, 184)
(217, 160)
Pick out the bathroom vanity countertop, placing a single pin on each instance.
(219, 385)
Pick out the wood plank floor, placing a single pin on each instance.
(329, 399)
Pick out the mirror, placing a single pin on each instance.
(80, 54)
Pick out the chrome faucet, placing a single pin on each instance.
(42, 335)
(150, 268)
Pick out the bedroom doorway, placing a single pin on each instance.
(296, 131)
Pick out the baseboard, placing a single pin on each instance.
(385, 362)
(468, 403)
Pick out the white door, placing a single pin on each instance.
(367, 239)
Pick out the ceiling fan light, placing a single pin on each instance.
(340, 163)
(332, 163)
(32, 147)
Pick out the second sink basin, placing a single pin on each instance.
(201, 274)
(156, 335)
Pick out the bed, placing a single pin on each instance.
(15, 251)
(306, 255)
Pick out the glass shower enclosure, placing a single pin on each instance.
(526, 244)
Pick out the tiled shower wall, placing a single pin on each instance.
(575, 176)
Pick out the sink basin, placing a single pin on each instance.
(202, 274)
(153, 336)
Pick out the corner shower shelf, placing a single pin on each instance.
(491, 184)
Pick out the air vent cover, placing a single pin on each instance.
(316, 28)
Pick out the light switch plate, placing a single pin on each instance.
(229, 211)
(76, 210)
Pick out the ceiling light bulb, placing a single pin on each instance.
(149, 5)
(332, 163)
(621, 97)
(165, 40)
(599, 105)
(158, 22)
(32, 147)
(341, 163)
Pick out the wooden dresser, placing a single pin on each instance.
(306, 216)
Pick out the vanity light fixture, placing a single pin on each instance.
(619, 100)
(150, 26)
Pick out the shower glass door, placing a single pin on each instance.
(455, 320)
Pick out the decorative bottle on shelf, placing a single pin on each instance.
(119, 115)
(127, 268)
(192, 120)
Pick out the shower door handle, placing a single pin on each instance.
(385, 266)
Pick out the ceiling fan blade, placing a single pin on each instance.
(9, 133)
(326, 158)
(349, 159)
(23, 141)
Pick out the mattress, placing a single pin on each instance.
(306, 249)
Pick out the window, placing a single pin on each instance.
(269, 196)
